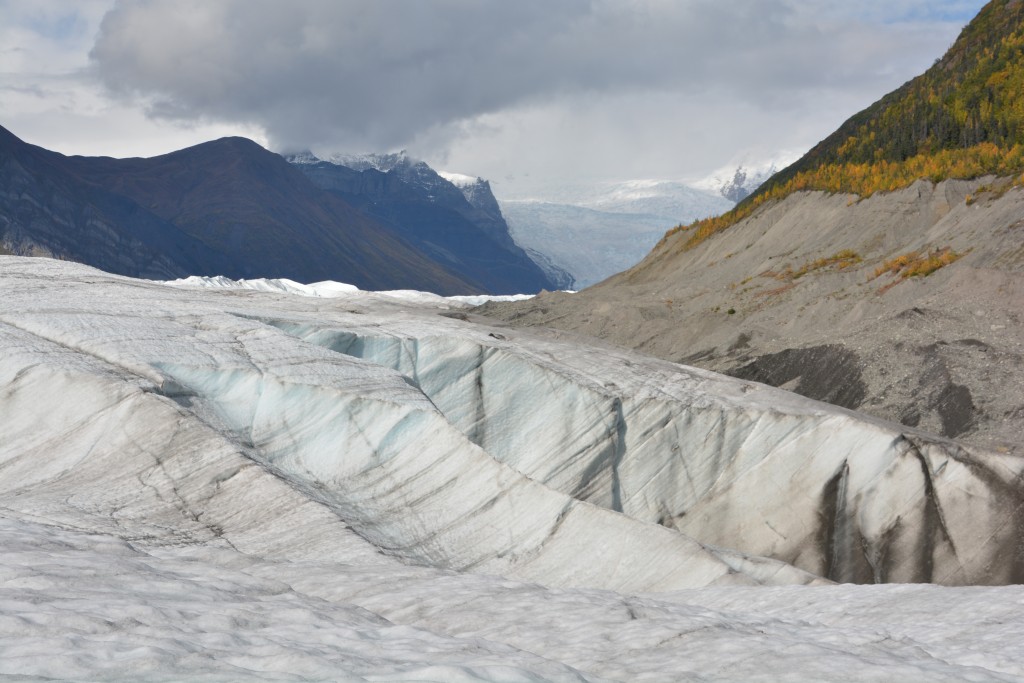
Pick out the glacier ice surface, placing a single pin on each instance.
(221, 483)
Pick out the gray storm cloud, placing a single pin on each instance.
(360, 74)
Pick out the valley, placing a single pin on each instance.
(296, 416)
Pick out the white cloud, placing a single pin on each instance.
(592, 88)
(49, 94)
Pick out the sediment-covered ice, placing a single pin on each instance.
(233, 483)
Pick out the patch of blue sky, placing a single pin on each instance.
(901, 11)
(959, 11)
(59, 28)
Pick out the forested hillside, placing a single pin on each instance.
(962, 118)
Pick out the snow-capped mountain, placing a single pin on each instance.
(415, 172)
(737, 181)
(477, 192)
(383, 162)
(674, 200)
(743, 183)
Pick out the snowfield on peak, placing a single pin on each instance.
(213, 479)
(459, 179)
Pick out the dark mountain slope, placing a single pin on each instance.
(45, 209)
(434, 215)
(225, 207)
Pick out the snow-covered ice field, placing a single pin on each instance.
(215, 483)
(80, 606)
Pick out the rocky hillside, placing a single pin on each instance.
(847, 280)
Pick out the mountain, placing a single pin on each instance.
(487, 214)
(431, 213)
(963, 117)
(671, 199)
(743, 183)
(902, 301)
(227, 207)
(477, 192)
(593, 231)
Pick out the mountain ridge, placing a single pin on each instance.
(962, 118)
(223, 207)
(430, 212)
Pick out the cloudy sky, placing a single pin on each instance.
(528, 93)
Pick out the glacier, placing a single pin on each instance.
(596, 230)
(220, 479)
